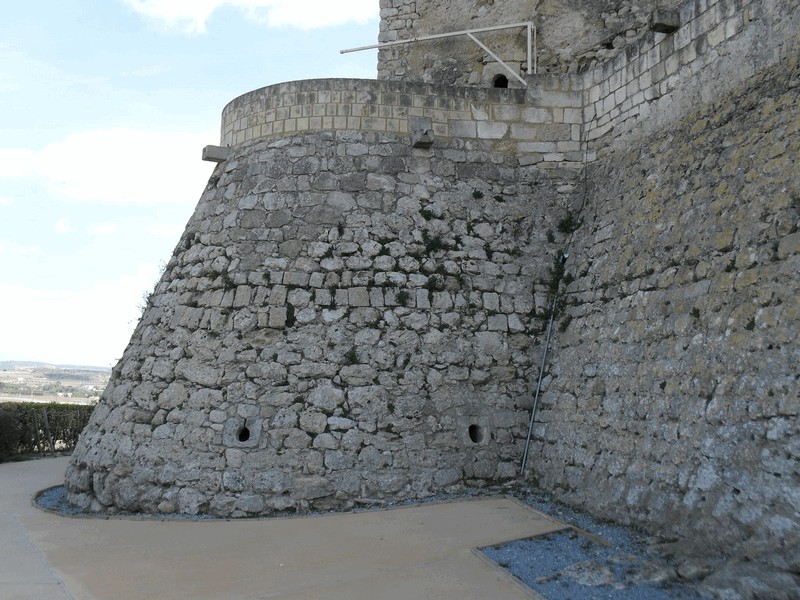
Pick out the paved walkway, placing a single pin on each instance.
(420, 552)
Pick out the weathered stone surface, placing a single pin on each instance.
(310, 488)
(297, 348)
(571, 34)
(673, 402)
(348, 317)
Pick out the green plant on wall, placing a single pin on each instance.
(351, 356)
(403, 297)
(227, 282)
(556, 275)
(435, 283)
(433, 243)
(332, 291)
(569, 223)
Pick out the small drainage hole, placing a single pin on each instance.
(476, 434)
(500, 81)
(244, 434)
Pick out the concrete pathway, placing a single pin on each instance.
(420, 552)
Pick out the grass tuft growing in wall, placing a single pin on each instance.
(569, 223)
(403, 297)
(351, 356)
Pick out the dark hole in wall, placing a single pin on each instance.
(476, 434)
(500, 81)
(244, 434)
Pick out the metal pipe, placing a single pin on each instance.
(497, 58)
(529, 48)
(539, 384)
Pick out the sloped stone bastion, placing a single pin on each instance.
(356, 308)
(346, 318)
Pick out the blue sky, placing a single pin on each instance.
(105, 106)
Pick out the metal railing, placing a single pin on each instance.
(532, 66)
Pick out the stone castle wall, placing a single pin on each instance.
(369, 312)
(719, 45)
(345, 319)
(672, 401)
(507, 121)
(649, 80)
(572, 35)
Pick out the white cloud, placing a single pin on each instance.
(117, 166)
(191, 16)
(5, 201)
(64, 227)
(90, 326)
(188, 15)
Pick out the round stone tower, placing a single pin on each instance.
(346, 318)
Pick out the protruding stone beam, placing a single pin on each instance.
(665, 20)
(216, 154)
(421, 129)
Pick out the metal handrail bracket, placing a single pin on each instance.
(532, 67)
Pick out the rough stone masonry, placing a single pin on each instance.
(345, 319)
(673, 396)
(355, 311)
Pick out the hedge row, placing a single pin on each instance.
(30, 428)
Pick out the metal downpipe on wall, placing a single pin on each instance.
(585, 137)
(539, 383)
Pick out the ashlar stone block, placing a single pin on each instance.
(216, 154)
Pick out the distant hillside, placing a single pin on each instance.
(45, 381)
(6, 365)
